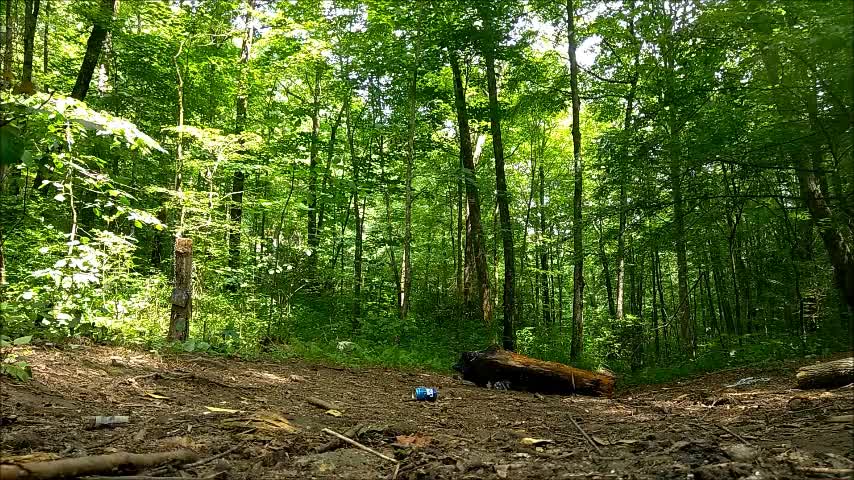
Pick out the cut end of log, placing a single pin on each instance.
(183, 245)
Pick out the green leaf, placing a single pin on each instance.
(23, 340)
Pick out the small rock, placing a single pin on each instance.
(723, 471)
(740, 452)
(502, 470)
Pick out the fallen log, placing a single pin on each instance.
(519, 372)
(833, 374)
(90, 465)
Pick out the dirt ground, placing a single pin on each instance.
(260, 414)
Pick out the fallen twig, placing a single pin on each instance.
(827, 471)
(734, 434)
(214, 457)
(586, 437)
(322, 403)
(201, 462)
(95, 464)
(358, 445)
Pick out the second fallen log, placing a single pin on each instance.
(519, 372)
(837, 373)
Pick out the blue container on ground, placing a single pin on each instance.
(425, 394)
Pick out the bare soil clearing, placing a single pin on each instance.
(699, 428)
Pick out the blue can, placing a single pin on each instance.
(425, 394)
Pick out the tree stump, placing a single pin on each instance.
(833, 374)
(182, 294)
(519, 372)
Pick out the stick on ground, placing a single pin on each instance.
(739, 437)
(358, 445)
(586, 437)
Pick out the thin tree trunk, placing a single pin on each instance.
(502, 196)
(406, 261)
(683, 311)
(577, 346)
(239, 177)
(357, 218)
(606, 272)
(313, 240)
(474, 229)
(94, 46)
(45, 39)
(653, 269)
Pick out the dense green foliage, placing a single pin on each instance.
(310, 150)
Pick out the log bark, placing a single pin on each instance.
(531, 374)
(837, 373)
(74, 467)
(182, 294)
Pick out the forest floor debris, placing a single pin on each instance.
(261, 426)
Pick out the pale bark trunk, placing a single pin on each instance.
(182, 294)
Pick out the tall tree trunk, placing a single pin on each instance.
(94, 45)
(489, 46)
(31, 14)
(357, 218)
(238, 178)
(9, 44)
(474, 229)
(683, 311)
(577, 345)
(406, 261)
(313, 240)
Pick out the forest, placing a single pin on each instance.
(638, 185)
(427, 239)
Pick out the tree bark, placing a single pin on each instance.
(9, 45)
(94, 45)
(182, 294)
(519, 372)
(474, 229)
(31, 14)
(577, 345)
